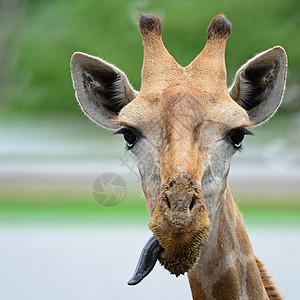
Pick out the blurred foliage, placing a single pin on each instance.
(40, 37)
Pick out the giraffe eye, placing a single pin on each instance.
(236, 136)
(129, 136)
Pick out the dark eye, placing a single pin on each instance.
(236, 136)
(129, 136)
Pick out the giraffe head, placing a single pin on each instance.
(183, 125)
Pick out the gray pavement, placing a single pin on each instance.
(92, 263)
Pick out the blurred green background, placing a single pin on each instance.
(51, 154)
(38, 38)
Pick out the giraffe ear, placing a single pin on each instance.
(102, 90)
(259, 84)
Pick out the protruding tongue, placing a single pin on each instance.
(147, 260)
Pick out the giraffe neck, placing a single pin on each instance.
(227, 267)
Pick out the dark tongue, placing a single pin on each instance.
(147, 260)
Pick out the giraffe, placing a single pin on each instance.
(183, 126)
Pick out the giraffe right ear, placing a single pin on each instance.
(102, 90)
(259, 84)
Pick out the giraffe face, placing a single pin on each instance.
(183, 125)
(183, 159)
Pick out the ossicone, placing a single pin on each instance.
(219, 28)
(150, 23)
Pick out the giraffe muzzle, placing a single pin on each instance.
(179, 220)
(179, 224)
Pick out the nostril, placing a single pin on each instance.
(166, 199)
(193, 203)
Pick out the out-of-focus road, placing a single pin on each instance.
(83, 262)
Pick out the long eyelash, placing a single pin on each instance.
(119, 131)
(248, 132)
(241, 149)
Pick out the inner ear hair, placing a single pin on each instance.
(107, 86)
(259, 84)
(256, 83)
(102, 89)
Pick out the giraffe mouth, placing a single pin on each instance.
(176, 264)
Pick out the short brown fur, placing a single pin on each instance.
(184, 119)
(177, 98)
(269, 285)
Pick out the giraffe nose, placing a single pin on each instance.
(181, 195)
(179, 220)
(180, 202)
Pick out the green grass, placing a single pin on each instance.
(70, 207)
(72, 211)
(289, 213)
(67, 205)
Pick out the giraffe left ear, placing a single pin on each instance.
(259, 84)
(102, 89)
